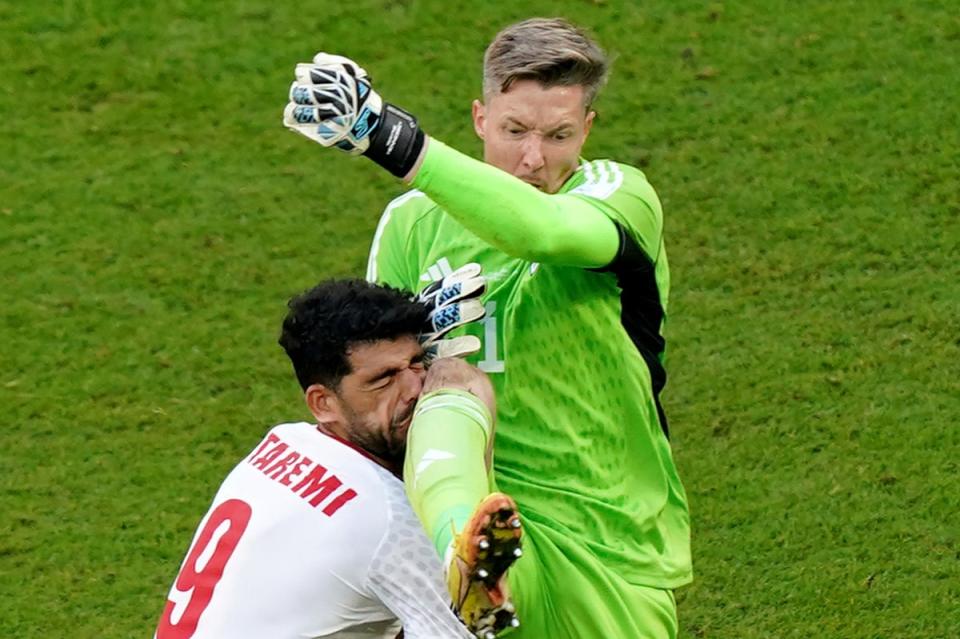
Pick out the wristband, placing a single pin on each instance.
(397, 141)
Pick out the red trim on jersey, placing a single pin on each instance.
(398, 472)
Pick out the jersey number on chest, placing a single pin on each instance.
(490, 363)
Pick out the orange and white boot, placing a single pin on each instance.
(477, 564)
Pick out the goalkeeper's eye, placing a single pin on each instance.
(513, 127)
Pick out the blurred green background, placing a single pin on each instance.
(155, 216)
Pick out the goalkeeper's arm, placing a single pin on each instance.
(333, 103)
(512, 215)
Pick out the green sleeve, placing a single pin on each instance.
(513, 216)
(623, 193)
(387, 262)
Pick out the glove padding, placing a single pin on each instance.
(463, 346)
(453, 302)
(333, 103)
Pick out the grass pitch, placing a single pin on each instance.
(155, 217)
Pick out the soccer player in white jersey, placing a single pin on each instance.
(311, 534)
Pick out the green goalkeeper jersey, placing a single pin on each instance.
(575, 356)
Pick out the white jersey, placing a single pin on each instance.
(308, 537)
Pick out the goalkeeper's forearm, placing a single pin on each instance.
(333, 104)
(511, 215)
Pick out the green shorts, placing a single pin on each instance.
(562, 591)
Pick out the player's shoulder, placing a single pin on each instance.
(607, 179)
(405, 229)
(408, 208)
(401, 216)
(314, 459)
(394, 494)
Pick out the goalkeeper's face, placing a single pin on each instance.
(372, 406)
(534, 133)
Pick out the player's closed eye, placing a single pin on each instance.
(388, 377)
(383, 380)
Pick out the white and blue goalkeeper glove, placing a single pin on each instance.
(453, 302)
(333, 103)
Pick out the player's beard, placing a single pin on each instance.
(389, 444)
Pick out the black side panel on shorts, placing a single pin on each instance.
(640, 309)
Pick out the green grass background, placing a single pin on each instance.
(155, 217)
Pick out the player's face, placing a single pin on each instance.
(534, 133)
(377, 399)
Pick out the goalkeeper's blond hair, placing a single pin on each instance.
(550, 51)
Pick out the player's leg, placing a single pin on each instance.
(447, 476)
(610, 607)
(477, 563)
(564, 592)
(447, 465)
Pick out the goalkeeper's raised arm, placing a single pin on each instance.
(515, 201)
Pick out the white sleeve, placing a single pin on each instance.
(407, 577)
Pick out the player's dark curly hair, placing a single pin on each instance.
(323, 323)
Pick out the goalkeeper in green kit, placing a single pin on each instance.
(577, 284)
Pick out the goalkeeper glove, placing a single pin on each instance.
(453, 302)
(333, 104)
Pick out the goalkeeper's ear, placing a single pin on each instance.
(588, 123)
(479, 119)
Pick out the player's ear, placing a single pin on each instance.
(322, 402)
(588, 123)
(479, 118)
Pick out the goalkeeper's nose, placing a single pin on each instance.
(532, 149)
